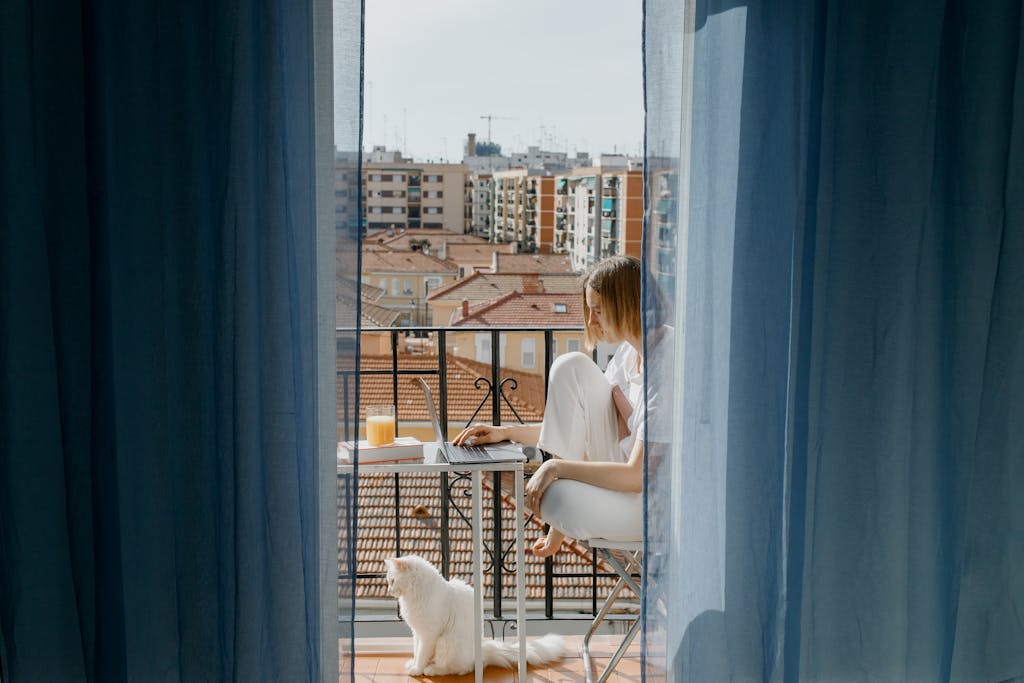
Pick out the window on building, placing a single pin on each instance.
(529, 352)
(384, 283)
(572, 345)
(483, 348)
(397, 209)
(407, 286)
(394, 286)
(561, 308)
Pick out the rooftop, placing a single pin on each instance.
(482, 253)
(516, 309)
(419, 516)
(375, 261)
(399, 241)
(532, 263)
(488, 286)
(463, 396)
(373, 315)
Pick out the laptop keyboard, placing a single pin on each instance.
(469, 453)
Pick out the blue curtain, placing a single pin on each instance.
(158, 434)
(836, 233)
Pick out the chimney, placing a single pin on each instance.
(471, 145)
(531, 283)
(465, 308)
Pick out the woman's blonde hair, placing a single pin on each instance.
(617, 281)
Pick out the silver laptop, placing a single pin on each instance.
(506, 451)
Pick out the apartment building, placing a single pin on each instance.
(481, 207)
(598, 213)
(664, 190)
(404, 194)
(535, 157)
(346, 191)
(524, 210)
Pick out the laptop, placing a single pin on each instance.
(506, 451)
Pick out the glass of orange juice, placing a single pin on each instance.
(380, 424)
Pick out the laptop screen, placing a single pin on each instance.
(432, 410)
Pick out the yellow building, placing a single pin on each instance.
(519, 350)
(407, 278)
(404, 194)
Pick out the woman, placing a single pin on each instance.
(593, 422)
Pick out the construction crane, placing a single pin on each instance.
(489, 117)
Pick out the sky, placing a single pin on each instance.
(565, 75)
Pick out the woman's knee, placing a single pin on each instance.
(569, 365)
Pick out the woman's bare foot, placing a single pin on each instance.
(545, 546)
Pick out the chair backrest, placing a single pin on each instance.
(630, 546)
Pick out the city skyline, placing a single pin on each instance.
(564, 76)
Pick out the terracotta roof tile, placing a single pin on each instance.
(373, 315)
(525, 310)
(421, 535)
(487, 286)
(405, 262)
(400, 240)
(534, 263)
(464, 396)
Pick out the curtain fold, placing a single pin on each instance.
(835, 220)
(159, 516)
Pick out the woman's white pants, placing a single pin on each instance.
(580, 423)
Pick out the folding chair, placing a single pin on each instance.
(625, 558)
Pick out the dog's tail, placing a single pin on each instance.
(549, 648)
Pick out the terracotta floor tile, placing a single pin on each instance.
(391, 668)
(365, 665)
(566, 671)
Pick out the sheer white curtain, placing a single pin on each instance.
(836, 234)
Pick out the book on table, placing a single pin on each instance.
(404, 449)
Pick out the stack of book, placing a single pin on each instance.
(404, 449)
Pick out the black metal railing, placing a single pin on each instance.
(498, 382)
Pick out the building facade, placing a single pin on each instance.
(524, 210)
(407, 278)
(598, 213)
(404, 194)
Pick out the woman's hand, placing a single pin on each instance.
(545, 546)
(539, 483)
(480, 434)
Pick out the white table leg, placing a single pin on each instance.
(521, 573)
(478, 575)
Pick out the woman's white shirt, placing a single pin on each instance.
(622, 372)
